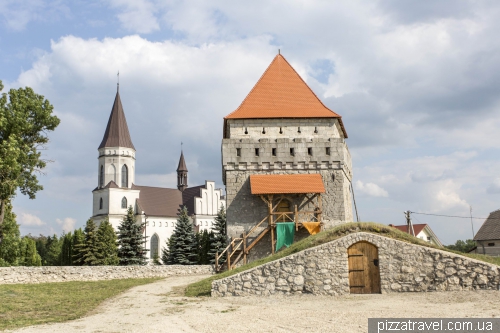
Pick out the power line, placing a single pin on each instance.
(460, 217)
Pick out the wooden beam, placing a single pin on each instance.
(296, 218)
(257, 239)
(244, 248)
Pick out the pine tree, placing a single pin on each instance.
(218, 241)
(29, 254)
(77, 242)
(203, 239)
(66, 257)
(89, 249)
(131, 249)
(53, 254)
(108, 248)
(182, 246)
(10, 251)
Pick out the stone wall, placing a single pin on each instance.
(13, 275)
(323, 270)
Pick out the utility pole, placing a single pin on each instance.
(410, 229)
(472, 224)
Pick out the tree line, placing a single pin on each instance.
(101, 245)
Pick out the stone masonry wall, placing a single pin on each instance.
(323, 270)
(24, 275)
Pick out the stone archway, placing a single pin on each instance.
(364, 271)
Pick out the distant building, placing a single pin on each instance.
(422, 231)
(488, 236)
(116, 189)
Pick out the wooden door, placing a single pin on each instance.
(364, 272)
(284, 207)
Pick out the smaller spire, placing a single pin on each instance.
(182, 181)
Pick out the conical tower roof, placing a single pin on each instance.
(117, 134)
(281, 93)
(182, 164)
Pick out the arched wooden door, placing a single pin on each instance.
(364, 272)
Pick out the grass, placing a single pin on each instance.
(32, 304)
(203, 287)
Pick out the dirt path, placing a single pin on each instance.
(154, 307)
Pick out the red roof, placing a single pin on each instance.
(417, 227)
(281, 93)
(280, 184)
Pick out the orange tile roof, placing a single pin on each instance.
(277, 184)
(281, 93)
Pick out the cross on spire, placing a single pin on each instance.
(118, 82)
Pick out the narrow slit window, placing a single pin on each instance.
(328, 150)
(256, 151)
(238, 151)
(309, 151)
(274, 151)
(298, 130)
(281, 130)
(315, 129)
(246, 130)
(292, 151)
(263, 130)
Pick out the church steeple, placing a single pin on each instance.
(117, 134)
(182, 180)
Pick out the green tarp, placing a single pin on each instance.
(284, 234)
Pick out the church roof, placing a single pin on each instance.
(117, 134)
(490, 228)
(281, 93)
(182, 164)
(159, 201)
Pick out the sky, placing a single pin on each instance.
(417, 84)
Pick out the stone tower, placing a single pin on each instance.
(182, 174)
(283, 128)
(115, 169)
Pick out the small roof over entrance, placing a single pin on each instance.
(281, 184)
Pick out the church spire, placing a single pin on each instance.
(182, 174)
(117, 134)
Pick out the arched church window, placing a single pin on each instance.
(100, 203)
(124, 176)
(124, 202)
(101, 177)
(154, 246)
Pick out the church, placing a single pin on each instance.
(157, 206)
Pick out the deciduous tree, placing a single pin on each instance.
(25, 120)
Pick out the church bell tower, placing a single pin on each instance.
(182, 174)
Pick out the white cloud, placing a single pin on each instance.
(67, 224)
(17, 14)
(494, 187)
(137, 16)
(29, 220)
(371, 189)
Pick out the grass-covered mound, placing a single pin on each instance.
(203, 287)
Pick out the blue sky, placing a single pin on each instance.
(417, 84)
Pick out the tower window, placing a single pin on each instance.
(328, 150)
(315, 129)
(274, 151)
(309, 151)
(246, 130)
(101, 177)
(256, 151)
(100, 203)
(298, 130)
(263, 130)
(124, 202)
(124, 176)
(491, 244)
(292, 151)
(281, 131)
(238, 151)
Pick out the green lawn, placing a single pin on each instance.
(31, 304)
(203, 287)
